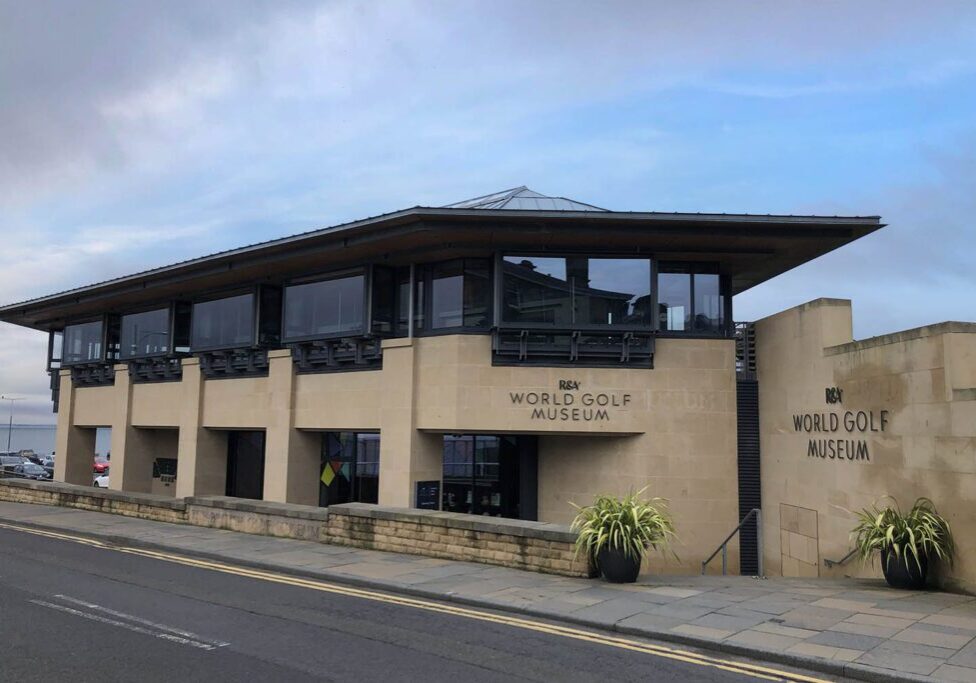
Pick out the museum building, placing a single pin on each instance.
(508, 355)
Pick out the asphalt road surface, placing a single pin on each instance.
(76, 612)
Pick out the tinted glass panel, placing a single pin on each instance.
(326, 308)
(82, 343)
(447, 294)
(145, 334)
(674, 301)
(709, 304)
(350, 471)
(477, 293)
(576, 291)
(384, 300)
(269, 315)
(224, 323)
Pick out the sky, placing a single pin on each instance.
(138, 133)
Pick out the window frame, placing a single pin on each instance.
(104, 356)
(365, 329)
(693, 268)
(422, 273)
(227, 294)
(499, 291)
(170, 307)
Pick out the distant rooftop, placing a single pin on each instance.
(523, 199)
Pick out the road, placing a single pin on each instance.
(71, 611)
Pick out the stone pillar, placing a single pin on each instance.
(75, 446)
(291, 457)
(406, 455)
(132, 454)
(202, 468)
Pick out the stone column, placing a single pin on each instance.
(202, 454)
(406, 455)
(74, 446)
(132, 454)
(291, 457)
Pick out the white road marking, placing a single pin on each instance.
(131, 627)
(140, 620)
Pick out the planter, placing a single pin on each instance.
(901, 574)
(616, 567)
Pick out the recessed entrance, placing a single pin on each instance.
(350, 471)
(490, 475)
(245, 464)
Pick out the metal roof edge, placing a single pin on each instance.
(427, 211)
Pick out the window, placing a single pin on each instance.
(326, 308)
(481, 475)
(674, 301)
(82, 343)
(350, 470)
(576, 291)
(145, 334)
(384, 298)
(459, 294)
(690, 298)
(223, 323)
(709, 303)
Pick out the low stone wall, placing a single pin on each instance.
(141, 505)
(304, 522)
(519, 544)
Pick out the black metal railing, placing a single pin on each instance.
(165, 369)
(334, 355)
(569, 346)
(234, 363)
(93, 374)
(724, 545)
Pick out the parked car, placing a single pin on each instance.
(101, 465)
(47, 462)
(101, 481)
(30, 470)
(8, 461)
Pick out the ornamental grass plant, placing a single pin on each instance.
(920, 533)
(631, 524)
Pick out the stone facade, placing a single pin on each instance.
(671, 429)
(899, 420)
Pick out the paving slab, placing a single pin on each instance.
(844, 627)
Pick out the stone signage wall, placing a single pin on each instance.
(844, 423)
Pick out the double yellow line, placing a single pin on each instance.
(689, 657)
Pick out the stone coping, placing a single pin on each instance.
(906, 335)
(457, 520)
(153, 499)
(261, 507)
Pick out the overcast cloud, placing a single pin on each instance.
(138, 133)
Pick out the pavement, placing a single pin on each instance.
(844, 627)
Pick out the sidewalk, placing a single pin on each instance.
(854, 628)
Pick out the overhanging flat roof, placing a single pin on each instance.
(749, 248)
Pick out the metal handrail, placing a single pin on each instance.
(834, 563)
(724, 545)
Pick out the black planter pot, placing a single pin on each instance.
(617, 568)
(901, 574)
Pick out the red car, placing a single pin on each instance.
(101, 465)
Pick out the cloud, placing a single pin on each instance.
(140, 133)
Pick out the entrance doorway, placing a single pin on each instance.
(350, 470)
(245, 464)
(490, 475)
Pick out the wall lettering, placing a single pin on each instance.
(570, 403)
(849, 422)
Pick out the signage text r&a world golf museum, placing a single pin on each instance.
(570, 403)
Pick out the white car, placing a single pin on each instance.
(101, 481)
